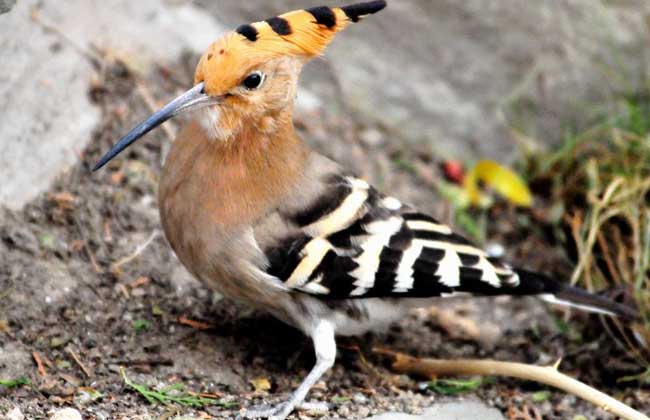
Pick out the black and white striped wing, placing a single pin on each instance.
(356, 243)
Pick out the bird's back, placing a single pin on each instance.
(340, 241)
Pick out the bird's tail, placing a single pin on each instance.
(531, 283)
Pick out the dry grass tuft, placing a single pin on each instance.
(599, 185)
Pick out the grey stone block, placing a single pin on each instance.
(460, 410)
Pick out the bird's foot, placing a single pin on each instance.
(282, 411)
(265, 412)
(314, 406)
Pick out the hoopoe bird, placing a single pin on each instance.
(253, 212)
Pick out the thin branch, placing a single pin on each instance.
(115, 268)
(89, 253)
(548, 375)
(79, 363)
(165, 361)
(39, 364)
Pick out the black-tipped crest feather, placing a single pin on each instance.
(359, 10)
(248, 31)
(323, 15)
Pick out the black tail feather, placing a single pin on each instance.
(531, 283)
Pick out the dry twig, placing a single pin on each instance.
(115, 268)
(79, 363)
(89, 253)
(548, 375)
(152, 361)
(39, 364)
(194, 324)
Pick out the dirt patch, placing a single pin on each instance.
(88, 284)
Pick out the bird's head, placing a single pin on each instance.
(249, 76)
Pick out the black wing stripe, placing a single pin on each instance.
(420, 216)
(344, 238)
(425, 266)
(468, 259)
(470, 282)
(329, 201)
(432, 254)
(402, 239)
(471, 275)
(384, 283)
(285, 257)
(333, 274)
(348, 249)
(430, 235)
(427, 284)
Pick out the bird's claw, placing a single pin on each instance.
(277, 412)
(281, 411)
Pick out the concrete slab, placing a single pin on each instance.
(460, 410)
(47, 118)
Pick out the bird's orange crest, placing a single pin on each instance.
(301, 33)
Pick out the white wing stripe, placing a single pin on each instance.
(433, 227)
(315, 288)
(391, 203)
(449, 269)
(345, 214)
(489, 275)
(404, 278)
(381, 232)
(312, 254)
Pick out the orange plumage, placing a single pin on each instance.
(300, 33)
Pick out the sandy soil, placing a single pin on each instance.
(64, 294)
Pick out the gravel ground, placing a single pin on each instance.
(89, 285)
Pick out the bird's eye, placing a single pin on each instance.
(253, 80)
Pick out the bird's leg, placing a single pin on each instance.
(325, 348)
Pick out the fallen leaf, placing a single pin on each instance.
(64, 200)
(140, 281)
(260, 384)
(77, 245)
(502, 180)
(117, 177)
(4, 326)
(194, 324)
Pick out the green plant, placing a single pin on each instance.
(601, 180)
(12, 383)
(455, 386)
(174, 393)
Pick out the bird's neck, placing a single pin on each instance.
(234, 182)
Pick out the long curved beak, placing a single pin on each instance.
(192, 99)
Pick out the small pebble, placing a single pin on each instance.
(372, 137)
(15, 414)
(363, 412)
(66, 414)
(359, 398)
(494, 249)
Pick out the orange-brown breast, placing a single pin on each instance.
(211, 191)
